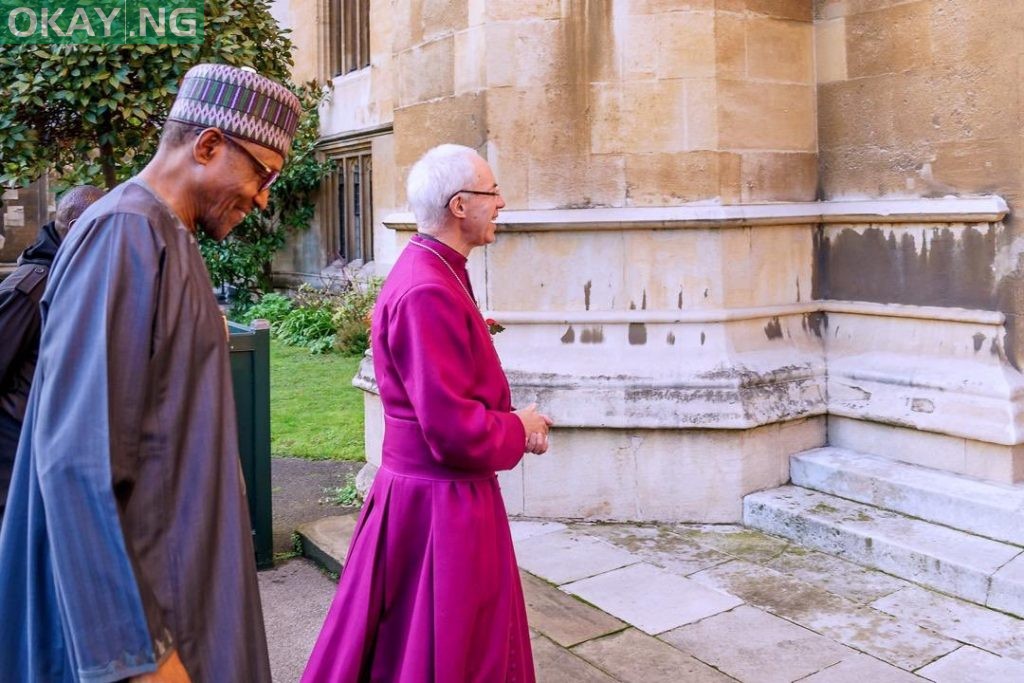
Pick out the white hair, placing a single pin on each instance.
(439, 174)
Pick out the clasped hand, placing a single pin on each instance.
(536, 426)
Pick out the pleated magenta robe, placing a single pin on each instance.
(430, 590)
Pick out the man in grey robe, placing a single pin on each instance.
(126, 550)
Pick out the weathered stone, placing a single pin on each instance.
(766, 116)
(565, 556)
(986, 509)
(1007, 590)
(830, 50)
(984, 628)
(735, 541)
(634, 657)
(326, 540)
(650, 598)
(686, 45)
(658, 546)
(426, 72)
(751, 645)
(563, 618)
(904, 645)
(525, 528)
(456, 119)
(779, 50)
(889, 40)
(943, 558)
(557, 665)
(970, 664)
(777, 177)
(860, 668)
(839, 577)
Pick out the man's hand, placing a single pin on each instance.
(536, 426)
(171, 671)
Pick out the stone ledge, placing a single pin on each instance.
(325, 541)
(983, 508)
(951, 561)
(945, 210)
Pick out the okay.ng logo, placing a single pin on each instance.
(114, 22)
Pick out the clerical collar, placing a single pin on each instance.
(450, 254)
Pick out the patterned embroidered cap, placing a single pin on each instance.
(240, 102)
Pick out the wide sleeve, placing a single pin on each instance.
(430, 340)
(94, 375)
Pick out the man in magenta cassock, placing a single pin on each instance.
(430, 591)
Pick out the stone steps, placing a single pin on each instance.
(978, 569)
(978, 507)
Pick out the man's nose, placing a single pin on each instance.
(262, 199)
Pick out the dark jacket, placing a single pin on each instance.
(20, 322)
(20, 294)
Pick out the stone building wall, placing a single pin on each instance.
(750, 225)
(923, 99)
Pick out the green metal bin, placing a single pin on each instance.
(250, 375)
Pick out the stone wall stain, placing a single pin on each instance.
(703, 337)
(586, 294)
(979, 339)
(898, 266)
(773, 330)
(570, 336)
(592, 335)
(637, 333)
(816, 322)
(671, 339)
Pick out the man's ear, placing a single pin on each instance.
(457, 207)
(207, 145)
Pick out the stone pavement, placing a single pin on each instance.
(715, 603)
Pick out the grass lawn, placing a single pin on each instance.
(315, 412)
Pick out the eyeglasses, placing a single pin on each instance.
(267, 175)
(496, 192)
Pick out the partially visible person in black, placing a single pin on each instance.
(20, 293)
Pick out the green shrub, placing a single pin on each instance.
(311, 327)
(271, 307)
(352, 316)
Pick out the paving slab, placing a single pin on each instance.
(561, 617)
(839, 577)
(564, 556)
(971, 665)
(987, 629)
(657, 545)
(526, 528)
(952, 561)
(555, 664)
(736, 541)
(752, 645)
(326, 540)
(904, 645)
(635, 657)
(862, 669)
(650, 598)
(1007, 589)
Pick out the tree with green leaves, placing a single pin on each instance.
(91, 114)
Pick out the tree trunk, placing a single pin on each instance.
(107, 161)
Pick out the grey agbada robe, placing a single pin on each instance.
(127, 531)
